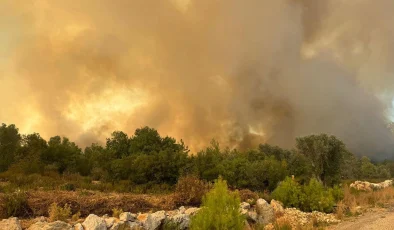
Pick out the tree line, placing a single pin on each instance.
(147, 158)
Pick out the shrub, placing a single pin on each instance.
(171, 225)
(220, 210)
(317, 198)
(289, 192)
(58, 213)
(248, 196)
(116, 212)
(311, 197)
(16, 204)
(76, 216)
(68, 187)
(190, 190)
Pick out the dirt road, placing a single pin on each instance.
(372, 220)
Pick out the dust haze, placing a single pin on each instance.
(241, 72)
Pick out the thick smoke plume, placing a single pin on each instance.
(242, 72)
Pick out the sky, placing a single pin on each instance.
(241, 72)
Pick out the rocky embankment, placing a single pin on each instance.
(368, 186)
(262, 213)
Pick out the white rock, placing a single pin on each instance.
(121, 225)
(154, 220)
(10, 224)
(181, 220)
(265, 212)
(78, 227)
(182, 210)
(110, 221)
(93, 222)
(252, 216)
(127, 216)
(245, 205)
(191, 211)
(57, 225)
(277, 206)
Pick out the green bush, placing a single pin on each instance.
(317, 198)
(220, 210)
(289, 192)
(310, 197)
(16, 204)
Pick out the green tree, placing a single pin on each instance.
(61, 153)
(10, 141)
(118, 144)
(266, 174)
(301, 167)
(326, 156)
(275, 151)
(32, 147)
(220, 210)
(207, 162)
(368, 170)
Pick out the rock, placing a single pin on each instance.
(134, 226)
(57, 225)
(110, 221)
(127, 216)
(191, 211)
(182, 210)
(125, 225)
(181, 220)
(265, 212)
(244, 208)
(10, 224)
(367, 186)
(278, 207)
(154, 220)
(119, 225)
(252, 216)
(93, 222)
(247, 226)
(245, 205)
(78, 227)
(142, 217)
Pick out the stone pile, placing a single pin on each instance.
(368, 186)
(297, 218)
(262, 213)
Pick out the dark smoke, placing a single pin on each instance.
(242, 72)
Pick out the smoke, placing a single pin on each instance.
(242, 72)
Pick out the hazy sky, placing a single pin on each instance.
(242, 72)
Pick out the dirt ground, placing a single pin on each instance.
(374, 219)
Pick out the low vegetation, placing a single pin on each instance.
(308, 197)
(308, 177)
(220, 210)
(56, 212)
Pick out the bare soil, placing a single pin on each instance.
(373, 219)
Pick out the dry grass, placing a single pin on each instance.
(116, 212)
(190, 190)
(58, 213)
(88, 202)
(355, 200)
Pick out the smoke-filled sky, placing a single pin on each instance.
(242, 72)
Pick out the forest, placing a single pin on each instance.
(148, 162)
